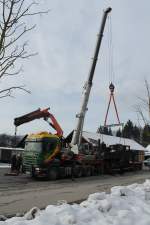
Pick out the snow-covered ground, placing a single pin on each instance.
(125, 205)
(4, 165)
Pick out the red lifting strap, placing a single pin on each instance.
(111, 88)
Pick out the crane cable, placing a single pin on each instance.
(111, 74)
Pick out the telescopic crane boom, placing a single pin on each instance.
(87, 88)
(45, 114)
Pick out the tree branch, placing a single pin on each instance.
(8, 91)
(13, 27)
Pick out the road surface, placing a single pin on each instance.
(19, 194)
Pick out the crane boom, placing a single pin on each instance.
(87, 88)
(45, 114)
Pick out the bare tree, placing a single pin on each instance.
(143, 108)
(13, 27)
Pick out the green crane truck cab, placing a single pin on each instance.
(41, 154)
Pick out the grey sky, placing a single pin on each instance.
(65, 40)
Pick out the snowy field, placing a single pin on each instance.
(125, 205)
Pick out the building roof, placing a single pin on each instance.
(148, 148)
(112, 140)
(11, 148)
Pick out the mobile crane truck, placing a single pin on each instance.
(47, 154)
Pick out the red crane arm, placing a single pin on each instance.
(37, 115)
(54, 123)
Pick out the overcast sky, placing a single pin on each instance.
(65, 40)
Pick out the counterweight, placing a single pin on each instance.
(88, 84)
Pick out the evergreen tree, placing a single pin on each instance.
(119, 133)
(128, 130)
(100, 130)
(110, 132)
(146, 135)
(136, 133)
(104, 130)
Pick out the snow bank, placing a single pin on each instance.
(125, 205)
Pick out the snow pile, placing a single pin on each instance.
(125, 205)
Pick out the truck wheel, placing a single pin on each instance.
(78, 171)
(33, 175)
(121, 171)
(62, 172)
(92, 171)
(88, 172)
(98, 171)
(52, 173)
(23, 169)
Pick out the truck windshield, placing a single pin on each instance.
(50, 145)
(33, 146)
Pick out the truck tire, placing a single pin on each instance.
(52, 173)
(93, 171)
(98, 171)
(62, 172)
(88, 172)
(78, 171)
(33, 175)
